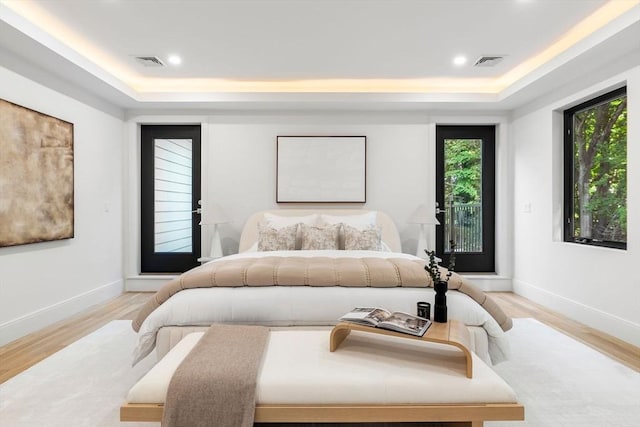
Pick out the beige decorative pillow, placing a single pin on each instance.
(319, 238)
(368, 239)
(282, 239)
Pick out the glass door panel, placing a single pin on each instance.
(463, 194)
(173, 175)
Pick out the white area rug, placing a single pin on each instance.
(82, 385)
(561, 382)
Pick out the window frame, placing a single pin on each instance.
(568, 153)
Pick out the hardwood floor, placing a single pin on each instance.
(517, 306)
(19, 355)
(25, 352)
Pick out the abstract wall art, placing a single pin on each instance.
(36, 176)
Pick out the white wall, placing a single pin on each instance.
(241, 165)
(239, 172)
(596, 286)
(44, 282)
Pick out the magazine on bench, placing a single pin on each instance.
(384, 319)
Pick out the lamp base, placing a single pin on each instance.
(422, 243)
(216, 247)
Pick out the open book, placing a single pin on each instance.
(384, 319)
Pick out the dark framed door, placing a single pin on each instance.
(170, 196)
(465, 193)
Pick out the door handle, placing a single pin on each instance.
(199, 209)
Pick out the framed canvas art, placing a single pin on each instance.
(36, 176)
(321, 169)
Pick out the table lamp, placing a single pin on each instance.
(423, 216)
(214, 215)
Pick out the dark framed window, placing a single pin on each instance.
(595, 171)
(465, 193)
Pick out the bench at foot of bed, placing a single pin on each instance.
(449, 415)
(382, 380)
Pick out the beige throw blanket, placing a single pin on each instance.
(215, 384)
(315, 271)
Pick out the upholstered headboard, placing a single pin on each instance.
(389, 231)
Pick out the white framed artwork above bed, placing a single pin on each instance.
(321, 169)
(327, 262)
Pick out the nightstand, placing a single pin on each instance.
(206, 259)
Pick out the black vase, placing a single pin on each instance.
(440, 306)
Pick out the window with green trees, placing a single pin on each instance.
(595, 177)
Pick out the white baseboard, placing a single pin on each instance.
(592, 317)
(24, 325)
(148, 283)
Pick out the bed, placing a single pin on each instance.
(190, 303)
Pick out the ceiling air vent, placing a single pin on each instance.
(149, 61)
(488, 60)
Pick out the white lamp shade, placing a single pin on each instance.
(423, 215)
(213, 214)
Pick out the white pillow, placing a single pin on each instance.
(280, 221)
(360, 221)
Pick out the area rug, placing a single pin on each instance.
(82, 385)
(564, 383)
(561, 382)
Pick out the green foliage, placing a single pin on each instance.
(600, 149)
(434, 270)
(463, 170)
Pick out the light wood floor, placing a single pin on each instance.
(19, 355)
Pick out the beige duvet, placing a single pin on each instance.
(315, 271)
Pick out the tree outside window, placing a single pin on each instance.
(596, 171)
(463, 194)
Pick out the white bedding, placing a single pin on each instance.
(305, 305)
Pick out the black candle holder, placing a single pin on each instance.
(424, 310)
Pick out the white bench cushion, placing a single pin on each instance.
(298, 368)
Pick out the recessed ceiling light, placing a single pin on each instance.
(460, 60)
(175, 59)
